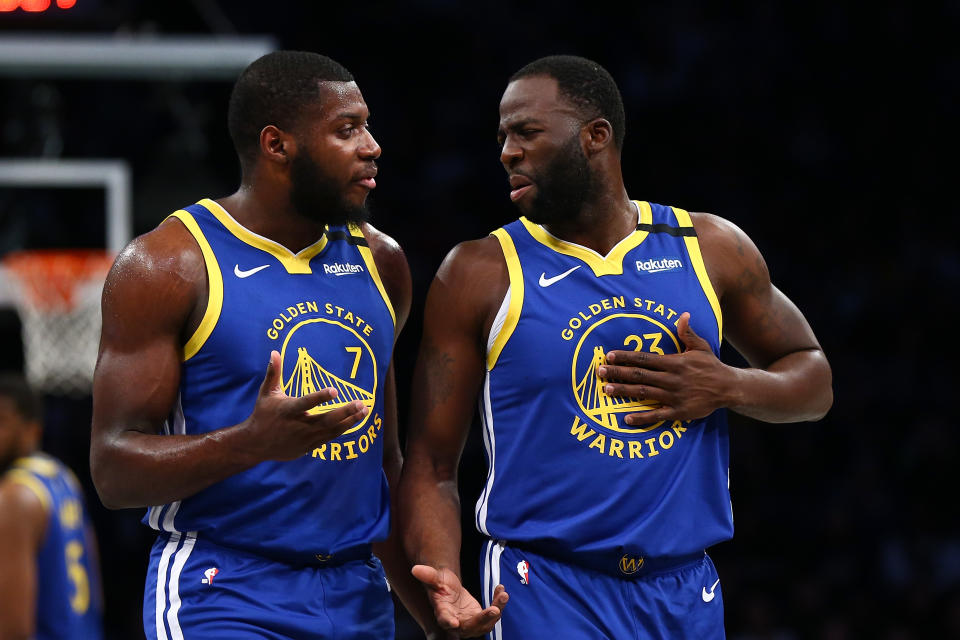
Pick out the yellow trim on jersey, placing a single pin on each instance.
(515, 272)
(292, 262)
(38, 465)
(26, 479)
(215, 288)
(693, 248)
(374, 273)
(609, 265)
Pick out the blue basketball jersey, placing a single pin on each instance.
(326, 311)
(566, 475)
(69, 602)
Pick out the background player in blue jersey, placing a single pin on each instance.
(267, 490)
(49, 574)
(590, 329)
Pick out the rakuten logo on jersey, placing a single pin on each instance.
(342, 269)
(659, 265)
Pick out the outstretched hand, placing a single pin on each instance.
(280, 426)
(455, 608)
(688, 385)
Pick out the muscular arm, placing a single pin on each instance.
(789, 379)
(22, 529)
(447, 379)
(150, 303)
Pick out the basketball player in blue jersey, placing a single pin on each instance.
(49, 574)
(590, 329)
(269, 491)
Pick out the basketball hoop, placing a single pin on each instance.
(57, 294)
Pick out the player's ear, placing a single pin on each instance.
(597, 135)
(275, 144)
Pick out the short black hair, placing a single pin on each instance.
(587, 85)
(27, 401)
(274, 89)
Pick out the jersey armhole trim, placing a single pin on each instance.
(367, 256)
(693, 250)
(515, 273)
(215, 287)
(26, 479)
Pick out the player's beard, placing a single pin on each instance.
(562, 187)
(318, 197)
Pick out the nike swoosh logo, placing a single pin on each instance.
(249, 272)
(546, 282)
(709, 595)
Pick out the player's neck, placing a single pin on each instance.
(270, 214)
(602, 222)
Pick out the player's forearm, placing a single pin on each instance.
(794, 388)
(136, 469)
(394, 558)
(410, 592)
(430, 518)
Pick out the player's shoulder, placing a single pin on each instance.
(168, 250)
(713, 227)
(714, 231)
(728, 252)
(22, 494)
(471, 281)
(473, 257)
(382, 245)
(394, 270)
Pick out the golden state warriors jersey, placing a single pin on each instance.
(566, 474)
(69, 604)
(327, 313)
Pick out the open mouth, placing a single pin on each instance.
(519, 186)
(367, 179)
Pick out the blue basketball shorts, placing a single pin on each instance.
(552, 599)
(197, 589)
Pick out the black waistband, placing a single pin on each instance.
(343, 556)
(298, 558)
(619, 565)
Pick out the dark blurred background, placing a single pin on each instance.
(824, 129)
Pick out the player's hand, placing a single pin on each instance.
(688, 385)
(455, 608)
(280, 427)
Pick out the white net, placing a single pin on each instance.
(57, 295)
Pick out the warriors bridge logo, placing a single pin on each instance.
(324, 346)
(642, 333)
(350, 368)
(618, 323)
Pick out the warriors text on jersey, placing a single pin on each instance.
(566, 474)
(326, 311)
(68, 580)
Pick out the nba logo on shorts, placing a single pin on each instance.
(523, 568)
(209, 574)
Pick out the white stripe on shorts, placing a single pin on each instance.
(161, 596)
(491, 578)
(181, 559)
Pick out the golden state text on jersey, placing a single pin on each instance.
(326, 312)
(565, 472)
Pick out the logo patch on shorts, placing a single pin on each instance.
(209, 574)
(630, 564)
(523, 568)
